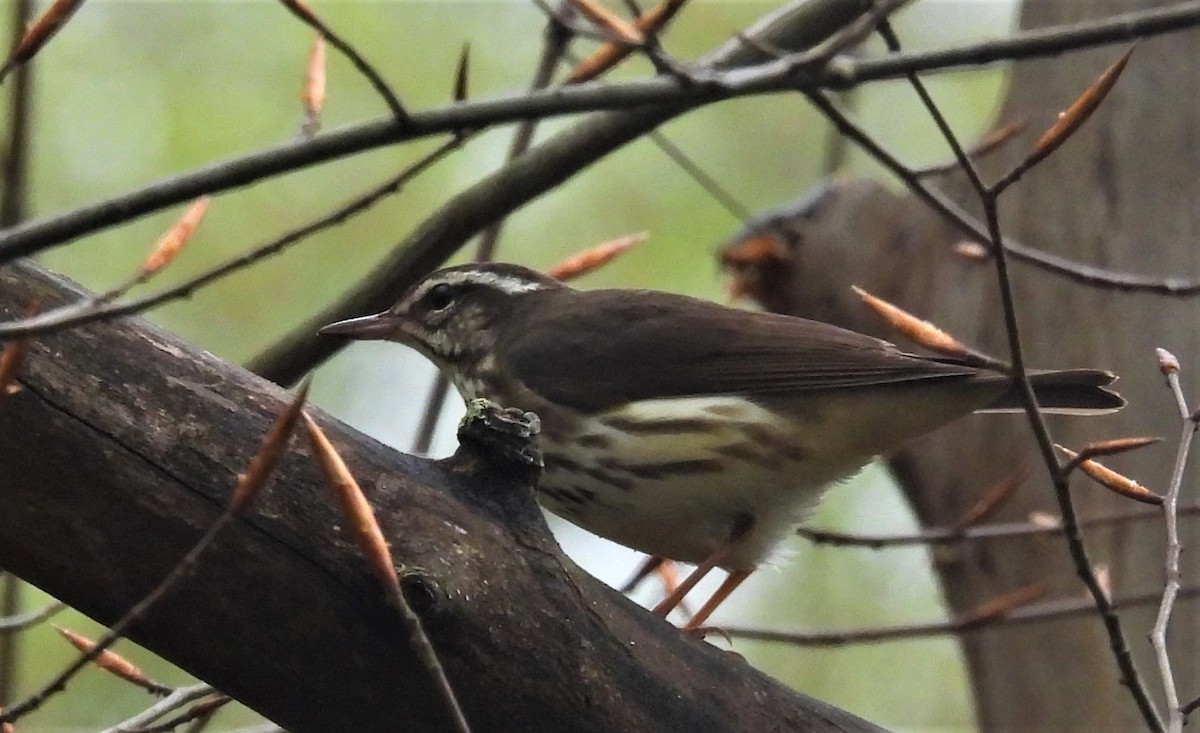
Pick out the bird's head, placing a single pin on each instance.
(452, 316)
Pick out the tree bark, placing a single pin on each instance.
(120, 450)
(1120, 194)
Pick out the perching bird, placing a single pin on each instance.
(686, 429)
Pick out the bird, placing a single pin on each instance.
(686, 429)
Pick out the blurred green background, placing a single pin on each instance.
(133, 91)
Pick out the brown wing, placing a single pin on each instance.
(603, 348)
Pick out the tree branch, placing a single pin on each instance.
(104, 488)
(669, 97)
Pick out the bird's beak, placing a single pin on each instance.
(379, 326)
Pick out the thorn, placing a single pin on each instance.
(461, 75)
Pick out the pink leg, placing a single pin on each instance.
(729, 586)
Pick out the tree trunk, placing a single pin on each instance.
(1120, 194)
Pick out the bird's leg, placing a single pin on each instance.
(668, 604)
(731, 583)
(719, 556)
(650, 565)
(667, 573)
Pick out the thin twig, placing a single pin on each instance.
(374, 548)
(650, 24)
(590, 31)
(309, 18)
(664, 92)
(31, 37)
(90, 310)
(1074, 271)
(703, 178)
(1032, 613)
(22, 621)
(983, 532)
(558, 38)
(16, 156)
(995, 140)
(199, 715)
(935, 113)
(1176, 717)
(13, 209)
(989, 200)
(1079, 554)
(176, 700)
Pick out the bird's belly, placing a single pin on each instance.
(676, 477)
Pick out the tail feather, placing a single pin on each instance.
(1065, 392)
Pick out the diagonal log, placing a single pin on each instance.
(120, 450)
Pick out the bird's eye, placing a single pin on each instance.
(439, 297)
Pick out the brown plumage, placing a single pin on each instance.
(683, 428)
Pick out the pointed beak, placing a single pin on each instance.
(379, 326)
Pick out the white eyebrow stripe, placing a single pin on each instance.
(504, 283)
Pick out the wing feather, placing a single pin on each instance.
(602, 348)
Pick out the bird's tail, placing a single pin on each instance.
(1065, 392)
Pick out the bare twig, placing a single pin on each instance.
(980, 533)
(176, 700)
(989, 200)
(1176, 715)
(604, 18)
(39, 33)
(199, 715)
(1074, 271)
(13, 205)
(558, 37)
(20, 622)
(1190, 707)
(374, 547)
(1032, 613)
(995, 140)
(299, 9)
(664, 92)
(610, 54)
(16, 156)
(91, 310)
(1079, 554)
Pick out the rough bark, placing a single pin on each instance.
(1121, 194)
(120, 450)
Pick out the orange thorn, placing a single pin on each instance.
(593, 258)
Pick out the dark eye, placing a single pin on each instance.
(439, 297)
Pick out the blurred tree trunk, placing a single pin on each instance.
(1122, 194)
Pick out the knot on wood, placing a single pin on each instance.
(421, 591)
(505, 434)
